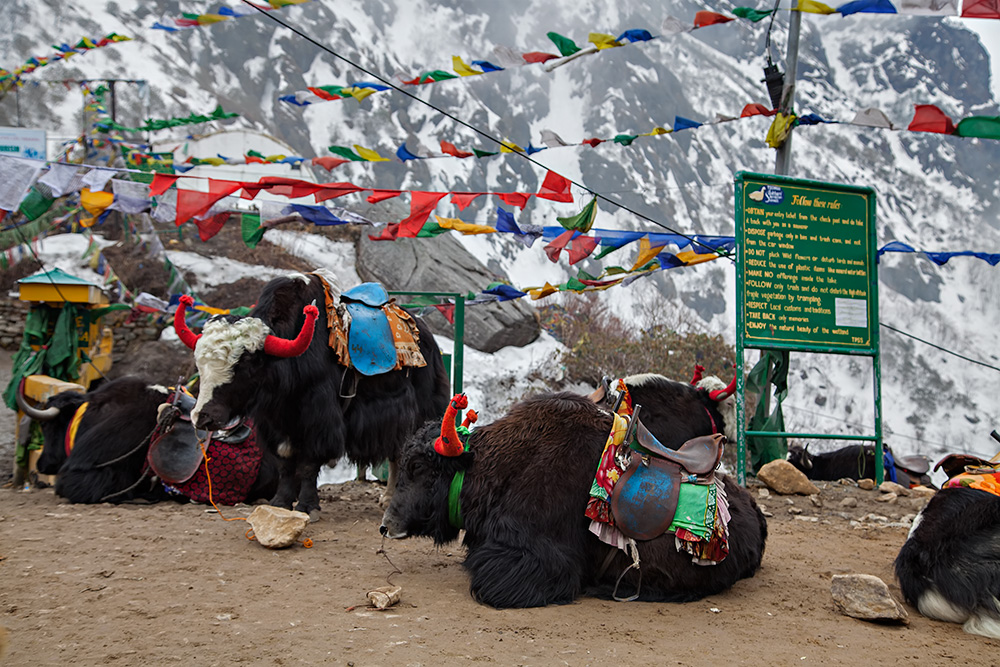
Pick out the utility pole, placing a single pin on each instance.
(783, 159)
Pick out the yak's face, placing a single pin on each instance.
(229, 355)
(800, 457)
(54, 431)
(419, 505)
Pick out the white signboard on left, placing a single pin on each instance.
(22, 142)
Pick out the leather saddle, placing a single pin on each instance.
(644, 500)
(174, 451)
(369, 339)
(956, 464)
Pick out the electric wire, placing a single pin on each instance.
(482, 133)
(938, 347)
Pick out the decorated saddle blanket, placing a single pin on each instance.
(984, 479)
(368, 331)
(226, 476)
(701, 518)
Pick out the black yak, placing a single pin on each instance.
(527, 479)
(858, 462)
(949, 566)
(97, 443)
(675, 411)
(277, 366)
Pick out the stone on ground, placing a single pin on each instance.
(276, 528)
(865, 596)
(784, 478)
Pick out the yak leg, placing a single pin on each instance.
(306, 473)
(533, 572)
(390, 486)
(288, 489)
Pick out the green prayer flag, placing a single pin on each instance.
(582, 221)
(345, 152)
(985, 127)
(751, 14)
(771, 369)
(605, 251)
(566, 46)
(625, 139)
(252, 231)
(575, 285)
(583, 275)
(480, 153)
(430, 230)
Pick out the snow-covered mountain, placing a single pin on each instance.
(934, 192)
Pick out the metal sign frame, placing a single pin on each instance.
(806, 280)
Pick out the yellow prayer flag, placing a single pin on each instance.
(210, 310)
(461, 68)
(214, 161)
(813, 7)
(369, 154)
(542, 292)
(690, 257)
(602, 41)
(463, 227)
(656, 131)
(646, 253)
(510, 147)
(94, 203)
(275, 158)
(779, 130)
(209, 19)
(357, 93)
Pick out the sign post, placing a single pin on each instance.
(806, 280)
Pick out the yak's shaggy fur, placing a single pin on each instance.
(680, 411)
(306, 408)
(949, 566)
(120, 415)
(527, 483)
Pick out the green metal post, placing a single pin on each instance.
(458, 353)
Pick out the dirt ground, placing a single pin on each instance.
(175, 584)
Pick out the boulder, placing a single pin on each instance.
(866, 597)
(866, 484)
(442, 264)
(892, 487)
(784, 478)
(276, 528)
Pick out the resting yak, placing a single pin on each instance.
(949, 566)
(858, 462)
(276, 366)
(97, 443)
(527, 479)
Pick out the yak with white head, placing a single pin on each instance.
(276, 365)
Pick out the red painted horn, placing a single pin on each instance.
(722, 394)
(470, 418)
(283, 347)
(181, 327)
(449, 444)
(698, 371)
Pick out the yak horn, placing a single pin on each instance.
(34, 413)
(470, 418)
(698, 370)
(180, 325)
(448, 444)
(722, 394)
(285, 347)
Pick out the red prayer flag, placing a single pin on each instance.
(538, 57)
(463, 199)
(334, 190)
(192, 202)
(448, 310)
(518, 199)
(928, 118)
(449, 148)
(209, 227)
(161, 183)
(557, 244)
(329, 163)
(410, 82)
(581, 247)
(251, 159)
(390, 233)
(555, 188)
(702, 19)
(293, 188)
(3, 214)
(421, 206)
(381, 195)
(757, 110)
(593, 142)
(981, 9)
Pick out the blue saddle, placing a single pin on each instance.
(369, 340)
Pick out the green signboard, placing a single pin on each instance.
(806, 276)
